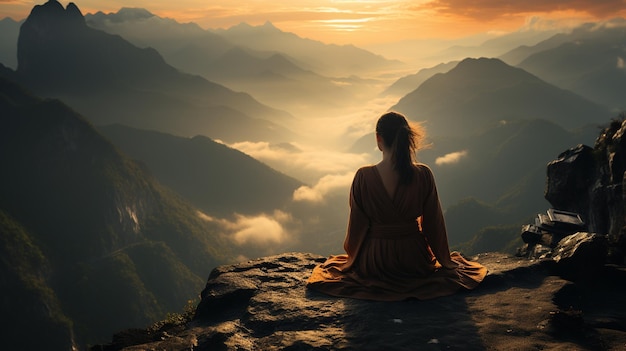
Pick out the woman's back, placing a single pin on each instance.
(396, 243)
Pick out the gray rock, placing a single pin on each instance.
(263, 304)
(569, 177)
(590, 182)
(581, 255)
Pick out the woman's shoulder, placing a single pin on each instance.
(422, 167)
(423, 171)
(363, 175)
(366, 169)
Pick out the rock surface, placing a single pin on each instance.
(590, 181)
(263, 304)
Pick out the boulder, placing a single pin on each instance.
(569, 178)
(580, 256)
(590, 182)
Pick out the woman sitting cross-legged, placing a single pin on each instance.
(396, 242)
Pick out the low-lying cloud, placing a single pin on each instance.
(307, 164)
(323, 187)
(260, 230)
(451, 158)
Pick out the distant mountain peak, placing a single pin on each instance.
(269, 25)
(47, 27)
(131, 13)
(495, 69)
(480, 62)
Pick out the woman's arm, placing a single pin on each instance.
(358, 222)
(433, 223)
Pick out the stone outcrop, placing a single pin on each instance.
(590, 182)
(263, 304)
(587, 185)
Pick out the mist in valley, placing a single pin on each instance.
(482, 139)
(333, 117)
(136, 141)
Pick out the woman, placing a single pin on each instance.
(396, 243)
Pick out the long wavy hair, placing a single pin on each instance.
(403, 140)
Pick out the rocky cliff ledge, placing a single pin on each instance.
(590, 181)
(522, 304)
(570, 298)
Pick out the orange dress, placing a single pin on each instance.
(396, 247)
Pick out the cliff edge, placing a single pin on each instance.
(263, 304)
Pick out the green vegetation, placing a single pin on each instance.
(29, 303)
(214, 177)
(504, 238)
(91, 243)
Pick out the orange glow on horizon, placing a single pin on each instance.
(358, 22)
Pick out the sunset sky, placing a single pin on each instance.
(362, 22)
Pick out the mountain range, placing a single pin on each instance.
(589, 61)
(278, 68)
(91, 242)
(480, 93)
(406, 84)
(498, 125)
(212, 176)
(169, 37)
(112, 169)
(109, 80)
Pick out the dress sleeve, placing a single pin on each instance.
(433, 223)
(358, 221)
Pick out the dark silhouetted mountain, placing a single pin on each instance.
(90, 242)
(591, 61)
(9, 30)
(111, 81)
(7, 73)
(480, 93)
(214, 177)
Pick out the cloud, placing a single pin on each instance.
(260, 230)
(451, 158)
(492, 9)
(306, 163)
(324, 186)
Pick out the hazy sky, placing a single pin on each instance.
(361, 22)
